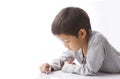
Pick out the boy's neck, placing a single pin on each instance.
(84, 48)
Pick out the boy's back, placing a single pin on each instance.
(111, 57)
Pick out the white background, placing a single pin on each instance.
(26, 40)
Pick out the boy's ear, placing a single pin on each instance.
(82, 33)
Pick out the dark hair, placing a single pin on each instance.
(70, 20)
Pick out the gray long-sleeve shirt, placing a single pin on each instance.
(101, 57)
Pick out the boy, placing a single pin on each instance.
(90, 48)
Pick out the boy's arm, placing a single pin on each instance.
(94, 60)
(57, 64)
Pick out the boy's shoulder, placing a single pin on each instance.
(97, 37)
(97, 34)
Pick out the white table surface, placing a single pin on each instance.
(62, 75)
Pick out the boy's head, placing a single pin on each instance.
(72, 21)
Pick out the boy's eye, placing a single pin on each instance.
(66, 41)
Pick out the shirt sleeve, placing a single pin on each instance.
(94, 59)
(57, 64)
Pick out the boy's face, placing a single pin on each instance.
(73, 43)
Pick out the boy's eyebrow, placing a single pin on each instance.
(65, 39)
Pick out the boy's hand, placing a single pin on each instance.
(45, 68)
(69, 62)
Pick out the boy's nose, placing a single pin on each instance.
(66, 45)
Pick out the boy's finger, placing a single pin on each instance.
(43, 68)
